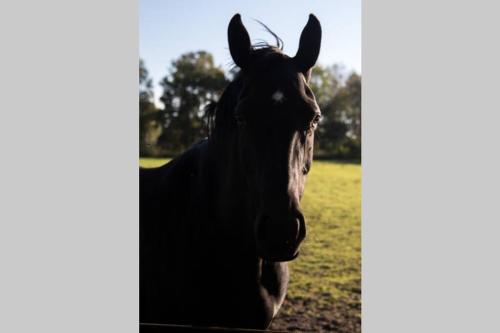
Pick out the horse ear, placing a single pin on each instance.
(309, 45)
(239, 42)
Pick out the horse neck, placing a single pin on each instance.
(227, 168)
(229, 188)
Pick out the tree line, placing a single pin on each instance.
(193, 80)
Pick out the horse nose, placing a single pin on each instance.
(279, 238)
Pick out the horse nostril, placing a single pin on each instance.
(301, 227)
(297, 230)
(279, 237)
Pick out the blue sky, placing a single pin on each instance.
(169, 28)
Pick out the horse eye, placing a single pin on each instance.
(316, 119)
(313, 125)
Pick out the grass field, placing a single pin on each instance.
(325, 280)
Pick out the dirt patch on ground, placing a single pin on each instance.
(305, 315)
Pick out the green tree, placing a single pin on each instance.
(192, 82)
(325, 83)
(149, 117)
(353, 105)
(339, 133)
(346, 105)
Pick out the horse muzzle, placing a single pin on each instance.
(279, 239)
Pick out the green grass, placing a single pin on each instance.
(152, 162)
(330, 259)
(327, 275)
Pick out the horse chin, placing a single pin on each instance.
(279, 258)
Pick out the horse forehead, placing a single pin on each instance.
(282, 80)
(282, 90)
(278, 85)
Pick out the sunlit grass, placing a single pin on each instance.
(330, 261)
(152, 162)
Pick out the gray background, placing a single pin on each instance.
(430, 166)
(69, 217)
(69, 220)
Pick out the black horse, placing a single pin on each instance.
(219, 222)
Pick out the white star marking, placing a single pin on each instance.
(278, 97)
